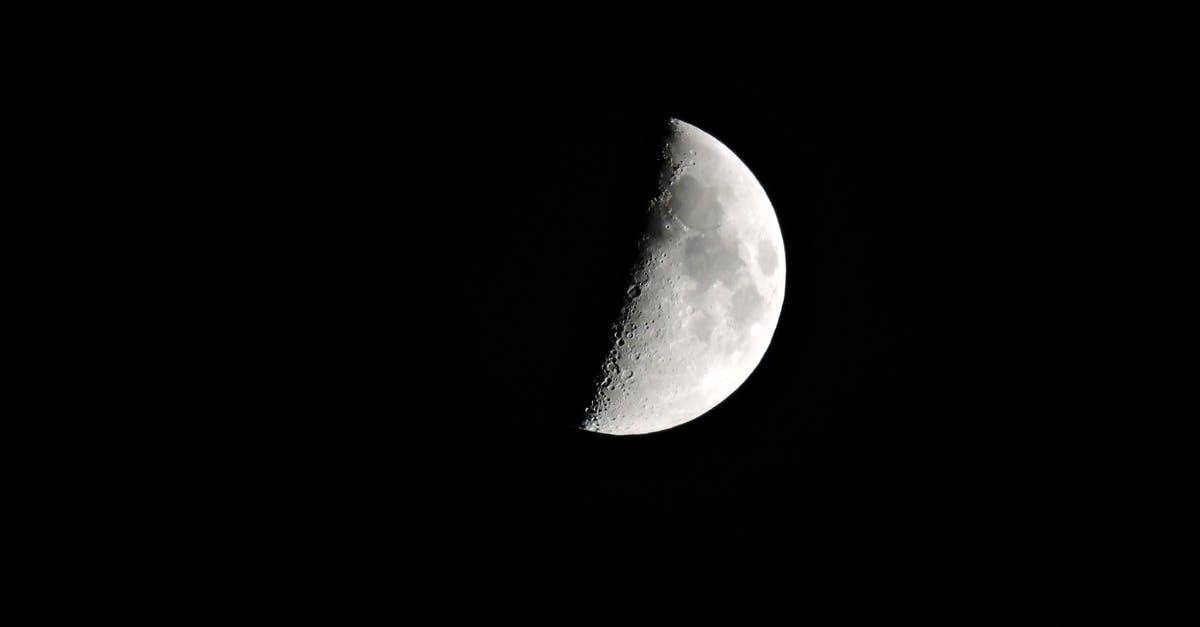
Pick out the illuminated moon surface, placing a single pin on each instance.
(704, 296)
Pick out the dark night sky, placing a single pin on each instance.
(400, 257)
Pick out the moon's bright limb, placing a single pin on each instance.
(704, 297)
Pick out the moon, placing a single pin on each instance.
(704, 296)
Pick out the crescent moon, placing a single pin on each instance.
(704, 297)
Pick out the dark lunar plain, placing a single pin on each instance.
(441, 282)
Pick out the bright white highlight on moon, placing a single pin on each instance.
(704, 297)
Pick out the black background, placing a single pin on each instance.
(378, 286)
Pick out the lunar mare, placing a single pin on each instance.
(704, 297)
